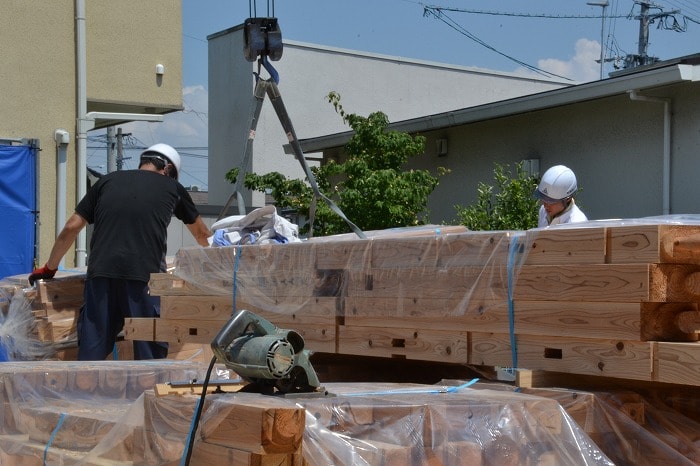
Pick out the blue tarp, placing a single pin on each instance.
(18, 206)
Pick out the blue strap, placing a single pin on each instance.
(512, 249)
(115, 352)
(411, 392)
(270, 69)
(183, 460)
(53, 435)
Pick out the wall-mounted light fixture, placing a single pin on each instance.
(160, 69)
(441, 147)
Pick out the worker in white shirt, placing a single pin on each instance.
(555, 192)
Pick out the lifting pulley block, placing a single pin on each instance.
(263, 37)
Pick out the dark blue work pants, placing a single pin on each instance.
(107, 302)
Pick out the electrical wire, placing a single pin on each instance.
(521, 15)
(198, 414)
(438, 13)
(684, 5)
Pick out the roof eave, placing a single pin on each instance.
(565, 96)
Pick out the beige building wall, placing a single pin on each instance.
(125, 40)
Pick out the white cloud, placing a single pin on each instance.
(183, 129)
(582, 67)
(187, 128)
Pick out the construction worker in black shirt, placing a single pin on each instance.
(130, 212)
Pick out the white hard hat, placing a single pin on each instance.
(557, 183)
(166, 151)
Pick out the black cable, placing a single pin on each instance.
(439, 14)
(198, 412)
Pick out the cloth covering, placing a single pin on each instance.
(261, 226)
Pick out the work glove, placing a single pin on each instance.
(41, 274)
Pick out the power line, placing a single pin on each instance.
(684, 5)
(521, 15)
(438, 12)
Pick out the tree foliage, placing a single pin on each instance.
(371, 186)
(506, 205)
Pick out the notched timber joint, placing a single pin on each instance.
(398, 343)
(553, 353)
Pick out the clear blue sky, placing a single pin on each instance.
(517, 36)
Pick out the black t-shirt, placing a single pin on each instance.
(131, 211)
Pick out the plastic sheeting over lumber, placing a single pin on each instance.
(106, 413)
(616, 298)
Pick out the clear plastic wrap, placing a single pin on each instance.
(69, 412)
(628, 281)
(103, 413)
(368, 424)
(609, 298)
(630, 428)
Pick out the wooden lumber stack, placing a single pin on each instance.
(423, 425)
(55, 304)
(618, 421)
(236, 428)
(99, 413)
(610, 299)
(108, 413)
(62, 412)
(56, 307)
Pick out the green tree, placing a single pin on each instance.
(509, 205)
(370, 186)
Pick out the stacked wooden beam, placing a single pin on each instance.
(615, 299)
(617, 420)
(107, 413)
(422, 425)
(54, 306)
(236, 428)
(61, 412)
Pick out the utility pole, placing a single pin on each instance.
(645, 19)
(643, 32)
(111, 150)
(603, 5)
(120, 148)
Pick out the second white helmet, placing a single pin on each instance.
(168, 152)
(558, 183)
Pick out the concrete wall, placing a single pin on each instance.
(367, 83)
(125, 40)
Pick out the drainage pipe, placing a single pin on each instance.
(62, 139)
(82, 123)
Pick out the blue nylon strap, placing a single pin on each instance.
(53, 435)
(271, 69)
(411, 392)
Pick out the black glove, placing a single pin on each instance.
(42, 273)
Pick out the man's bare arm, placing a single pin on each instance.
(200, 231)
